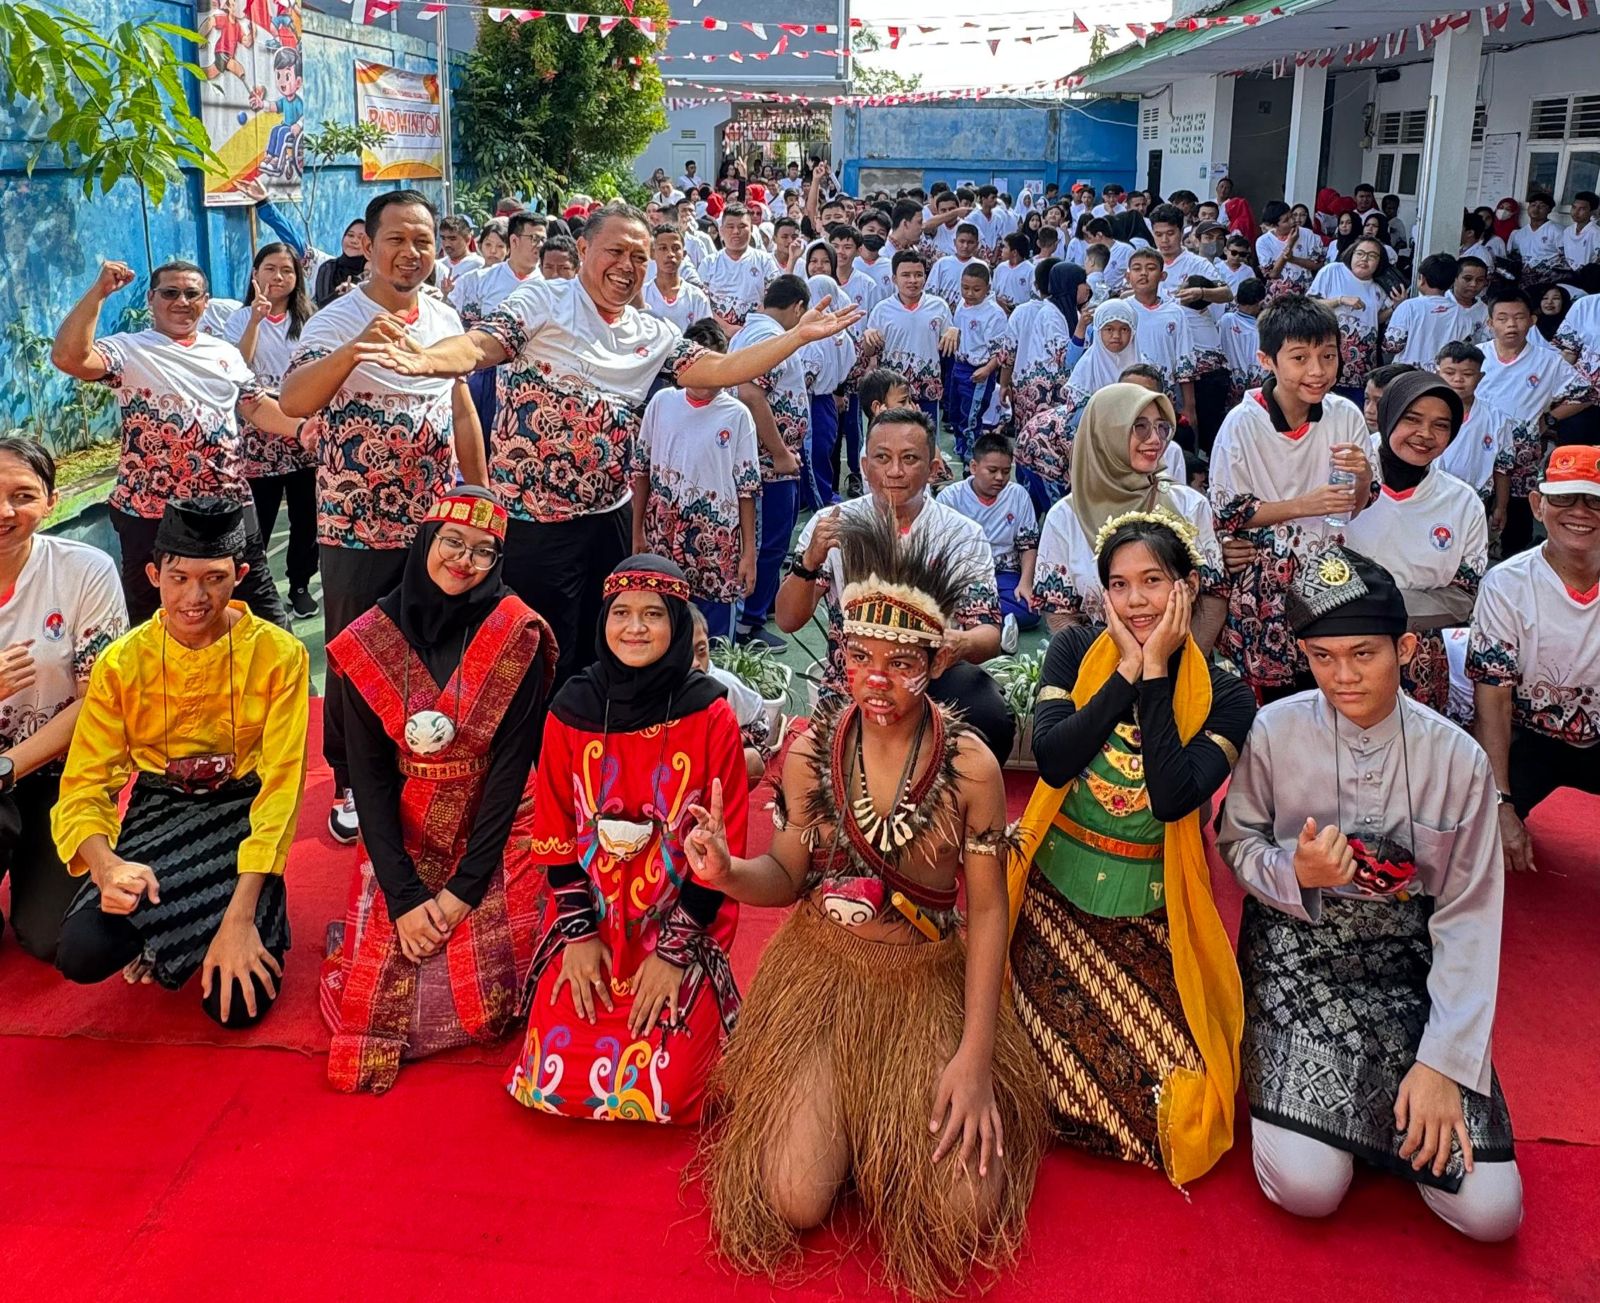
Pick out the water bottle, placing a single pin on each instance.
(1344, 479)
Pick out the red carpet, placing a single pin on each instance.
(154, 1167)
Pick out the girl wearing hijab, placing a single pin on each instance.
(1045, 445)
(1346, 231)
(1426, 528)
(1120, 965)
(1048, 342)
(1117, 467)
(449, 676)
(631, 990)
(1353, 287)
(1555, 301)
(342, 274)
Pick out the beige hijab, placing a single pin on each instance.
(1104, 484)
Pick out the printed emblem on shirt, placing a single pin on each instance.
(723, 436)
(1441, 537)
(55, 626)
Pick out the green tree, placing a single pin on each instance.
(1098, 43)
(327, 144)
(114, 104)
(868, 80)
(542, 108)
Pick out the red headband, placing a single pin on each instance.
(480, 513)
(645, 581)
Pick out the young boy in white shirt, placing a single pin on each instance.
(913, 332)
(1163, 332)
(982, 327)
(668, 295)
(1481, 455)
(1004, 511)
(945, 278)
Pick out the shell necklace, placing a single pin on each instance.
(888, 833)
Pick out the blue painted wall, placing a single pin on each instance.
(52, 239)
(1093, 140)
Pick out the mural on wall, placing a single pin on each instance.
(253, 71)
(406, 105)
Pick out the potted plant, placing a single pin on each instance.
(1018, 677)
(755, 665)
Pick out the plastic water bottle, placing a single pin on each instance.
(1344, 479)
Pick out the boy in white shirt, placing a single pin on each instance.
(1003, 510)
(737, 276)
(982, 327)
(669, 296)
(1419, 327)
(1012, 282)
(455, 238)
(945, 278)
(1163, 331)
(1481, 455)
(1270, 488)
(1580, 242)
(912, 333)
(1240, 341)
(1536, 247)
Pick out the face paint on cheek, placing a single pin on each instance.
(916, 684)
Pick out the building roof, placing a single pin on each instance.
(1301, 27)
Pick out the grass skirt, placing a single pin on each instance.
(887, 1019)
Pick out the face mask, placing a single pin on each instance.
(1209, 249)
(1503, 214)
(874, 243)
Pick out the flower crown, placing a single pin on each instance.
(1166, 519)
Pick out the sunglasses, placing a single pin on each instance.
(172, 294)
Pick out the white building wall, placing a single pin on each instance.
(1193, 129)
(690, 133)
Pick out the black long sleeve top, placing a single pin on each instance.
(1179, 778)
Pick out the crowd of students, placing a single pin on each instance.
(1250, 484)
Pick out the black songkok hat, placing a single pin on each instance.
(202, 528)
(1341, 594)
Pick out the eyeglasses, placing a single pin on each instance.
(1365, 255)
(1566, 501)
(453, 548)
(1143, 429)
(172, 294)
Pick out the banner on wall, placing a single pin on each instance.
(252, 74)
(406, 105)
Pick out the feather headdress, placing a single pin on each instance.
(898, 587)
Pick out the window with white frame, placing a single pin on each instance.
(1399, 163)
(1563, 152)
(1150, 122)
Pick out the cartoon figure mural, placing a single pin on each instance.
(251, 100)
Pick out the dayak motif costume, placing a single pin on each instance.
(626, 752)
(886, 1018)
(1123, 974)
(448, 693)
(1345, 989)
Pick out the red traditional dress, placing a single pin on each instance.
(617, 805)
(381, 1006)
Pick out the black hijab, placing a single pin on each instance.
(612, 697)
(436, 625)
(1397, 474)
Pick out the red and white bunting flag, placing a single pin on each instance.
(1158, 27)
(1494, 17)
(1326, 59)
(736, 56)
(1527, 13)
(1250, 20)
(1078, 25)
(628, 5)
(783, 45)
(645, 25)
(369, 11)
(431, 10)
(714, 24)
(1139, 32)
(577, 22)
(895, 33)
(607, 25)
(994, 47)
(794, 29)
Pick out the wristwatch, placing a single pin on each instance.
(797, 568)
(7, 774)
(1502, 798)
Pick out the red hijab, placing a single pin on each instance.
(1503, 226)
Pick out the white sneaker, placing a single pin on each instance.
(343, 825)
(1009, 634)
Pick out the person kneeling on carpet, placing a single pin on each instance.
(205, 705)
(631, 993)
(872, 1050)
(449, 675)
(1364, 827)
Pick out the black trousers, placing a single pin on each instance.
(96, 945)
(1210, 405)
(41, 887)
(353, 579)
(559, 570)
(137, 537)
(1517, 536)
(297, 491)
(1540, 764)
(978, 696)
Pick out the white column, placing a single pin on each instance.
(1305, 135)
(1452, 103)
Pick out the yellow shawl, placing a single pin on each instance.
(1195, 1112)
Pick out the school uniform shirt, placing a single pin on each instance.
(945, 279)
(958, 542)
(1116, 272)
(1185, 265)
(1358, 326)
(1012, 286)
(1008, 520)
(67, 601)
(1205, 340)
(1478, 249)
(699, 248)
(686, 307)
(943, 237)
(384, 442)
(686, 272)
(1240, 342)
(1579, 335)
(1432, 536)
(1579, 247)
(1294, 278)
(983, 332)
(911, 342)
(1232, 277)
(786, 392)
(1541, 252)
(735, 286)
(1525, 388)
(1066, 576)
(571, 397)
(267, 454)
(1481, 447)
(1042, 353)
(700, 458)
(178, 405)
(864, 291)
(881, 273)
(1164, 342)
(214, 320)
(454, 270)
(992, 231)
(479, 293)
(1421, 326)
(1534, 634)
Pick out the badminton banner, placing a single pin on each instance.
(406, 105)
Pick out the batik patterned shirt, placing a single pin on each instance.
(911, 342)
(735, 286)
(267, 454)
(787, 392)
(1526, 388)
(180, 425)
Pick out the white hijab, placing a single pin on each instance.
(833, 358)
(1099, 366)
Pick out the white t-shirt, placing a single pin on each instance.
(881, 271)
(983, 331)
(214, 320)
(448, 267)
(1578, 248)
(735, 286)
(1009, 522)
(1541, 250)
(273, 345)
(911, 337)
(68, 602)
(863, 290)
(992, 230)
(1185, 265)
(1164, 341)
(1012, 286)
(1306, 245)
(365, 497)
(1240, 341)
(1579, 334)
(1530, 384)
(1483, 445)
(945, 279)
(1427, 536)
(479, 293)
(180, 425)
(1529, 631)
(786, 392)
(1421, 326)
(688, 307)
